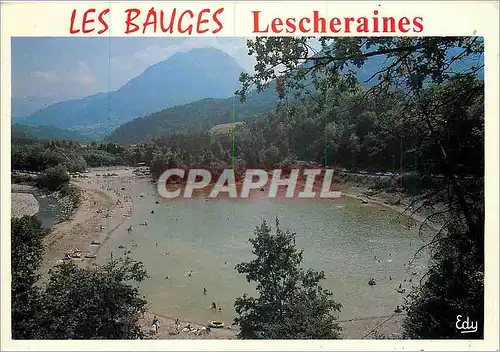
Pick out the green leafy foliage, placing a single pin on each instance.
(53, 178)
(195, 117)
(26, 255)
(454, 286)
(38, 155)
(96, 303)
(76, 303)
(291, 303)
(435, 119)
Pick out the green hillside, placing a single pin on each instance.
(45, 132)
(199, 116)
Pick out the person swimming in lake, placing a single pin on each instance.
(214, 306)
(204, 291)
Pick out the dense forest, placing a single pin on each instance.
(45, 132)
(442, 119)
(31, 154)
(195, 117)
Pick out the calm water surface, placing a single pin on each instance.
(209, 237)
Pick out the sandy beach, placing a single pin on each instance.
(102, 210)
(89, 223)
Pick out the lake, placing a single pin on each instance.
(350, 241)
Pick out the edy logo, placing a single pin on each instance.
(464, 325)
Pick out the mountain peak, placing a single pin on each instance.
(183, 78)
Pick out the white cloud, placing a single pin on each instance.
(48, 76)
(82, 75)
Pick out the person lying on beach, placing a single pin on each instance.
(155, 323)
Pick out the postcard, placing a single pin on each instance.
(250, 175)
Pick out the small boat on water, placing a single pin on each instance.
(216, 324)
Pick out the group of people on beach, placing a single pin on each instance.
(155, 326)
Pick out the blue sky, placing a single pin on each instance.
(65, 68)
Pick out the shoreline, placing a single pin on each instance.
(83, 227)
(403, 209)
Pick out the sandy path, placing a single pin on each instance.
(168, 330)
(389, 326)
